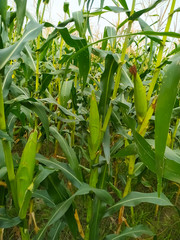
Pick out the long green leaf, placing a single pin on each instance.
(65, 111)
(8, 78)
(146, 27)
(65, 95)
(45, 196)
(5, 136)
(107, 81)
(59, 193)
(20, 13)
(56, 230)
(12, 52)
(133, 232)
(164, 107)
(109, 32)
(40, 110)
(2, 158)
(102, 4)
(84, 57)
(3, 171)
(60, 211)
(115, 9)
(147, 156)
(78, 18)
(28, 58)
(127, 151)
(135, 198)
(124, 4)
(60, 166)
(63, 207)
(68, 151)
(145, 10)
(6, 222)
(3, 10)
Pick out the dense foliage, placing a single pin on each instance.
(89, 130)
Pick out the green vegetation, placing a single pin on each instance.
(89, 130)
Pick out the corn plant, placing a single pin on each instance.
(88, 127)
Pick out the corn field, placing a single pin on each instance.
(89, 128)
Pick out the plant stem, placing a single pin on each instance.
(160, 53)
(174, 133)
(122, 59)
(92, 182)
(59, 95)
(7, 149)
(37, 64)
(24, 231)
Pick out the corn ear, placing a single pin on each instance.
(25, 171)
(145, 123)
(94, 127)
(139, 95)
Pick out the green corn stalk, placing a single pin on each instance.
(7, 148)
(122, 61)
(59, 93)
(25, 172)
(38, 62)
(160, 53)
(116, 86)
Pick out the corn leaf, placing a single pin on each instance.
(3, 10)
(13, 52)
(3, 171)
(115, 9)
(46, 79)
(6, 221)
(109, 32)
(43, 194)
(40, 110)
(83, 57)
(54, 164)
(127, 151)
(37, 8)
(147, 156)
(65, 95)
(56, 229)
(101, 3)
(145, 10)
(8, 78)
(107, 81)
(59, 193)
(68, 151)
(5, 136)
(133, 232)
(146, 27)
(28, 58)
(20, 13)
(2, 158)
(123, 4)
(135, 198)
(63, 207)
(66, 8)
(78, 18)
(164, 107)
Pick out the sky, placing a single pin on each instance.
(54, 13)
